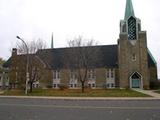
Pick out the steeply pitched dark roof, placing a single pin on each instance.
(54, 57)
(8, 63)
(109, 55)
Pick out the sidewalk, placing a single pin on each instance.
(83, 98)
(149, 92)
(154, 96)
(1, 92)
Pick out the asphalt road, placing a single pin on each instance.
(44, 109)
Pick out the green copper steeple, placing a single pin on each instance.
(129, 10)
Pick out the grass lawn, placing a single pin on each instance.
(78, 93)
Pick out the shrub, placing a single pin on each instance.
(154, 84)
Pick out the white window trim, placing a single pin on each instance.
(110, 78)
(72, 74)
(36, 84)
(73, 80)
(55, 85)
(92, 78)
(72, 83)
(56, 74)
(110, 85)
(56, 79)
(141, 80)
(91, 74)
(92, 85)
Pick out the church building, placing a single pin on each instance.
(127, 64)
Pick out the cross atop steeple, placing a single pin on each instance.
(129, 10)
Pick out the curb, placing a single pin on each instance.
(82, 98)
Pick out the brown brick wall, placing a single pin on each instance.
(126, 65)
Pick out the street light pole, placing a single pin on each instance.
(27, 71)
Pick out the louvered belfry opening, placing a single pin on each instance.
(132, 28)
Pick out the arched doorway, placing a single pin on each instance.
(135, 80)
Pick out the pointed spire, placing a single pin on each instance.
(129, 10)
(52, 44)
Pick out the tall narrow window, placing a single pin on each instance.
(107, 73)
(73, 79)
(56, 74)
(56, 78)
(112, 73)
(110, 78)
(73, 74)
(91, 78)
(91, 74)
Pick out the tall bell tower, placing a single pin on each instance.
(132, 51)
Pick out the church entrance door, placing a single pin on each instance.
(135, 83)
(135, 80)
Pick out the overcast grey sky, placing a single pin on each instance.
(97, 19)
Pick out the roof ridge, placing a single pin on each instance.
(77, 47)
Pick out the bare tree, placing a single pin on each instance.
(33, 46)
(34, 73)
(1, 61)
(82, 56)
